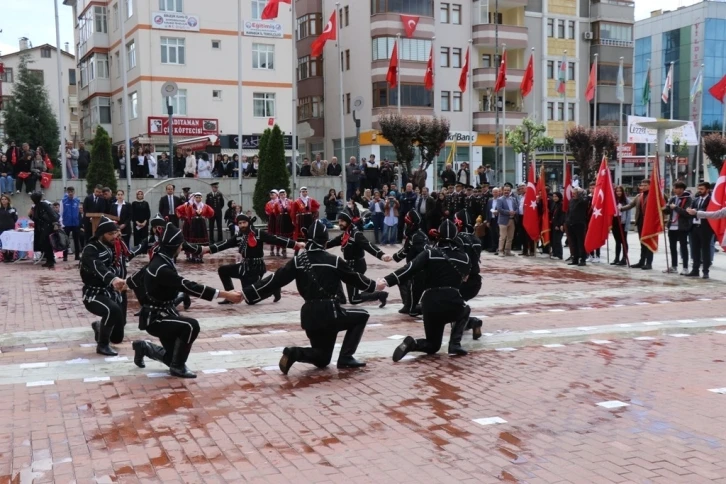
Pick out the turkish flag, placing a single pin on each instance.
(271, 122)
(271, 10)
(528, 80)
(542, 192)
(502, 75)
(653, 221)
(429, 77)
(567, 196)
(392, 76)
(410, 22)
(531, 215)
(464, 72)
(329, 33)
(591, 83)
(718, 90)
(604, 209)
(718, 201)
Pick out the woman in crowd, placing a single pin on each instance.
(22, 173)
(367, 197)
(272, 210)
(6, 176)
(390, 221)
(557, 225)
(620, 226)
(37, 168)
(357, 196)
(122, 161)
(8, 218)
(440, 210)
(341, 203)
(284, 219)
(377, 208)
(140, 216)
(204, 167)
(190, 167)
(331, 207)
(150, 164)
(164, 168)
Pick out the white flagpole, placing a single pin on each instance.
(398, 71)
(294, 104)
(504, 120)
(647, 114)
(594, 114)
(564, 145)
(670, 94)
(471, 112)
(125, 104)
(620, 131)
(61, 98)
(340, 86)
(534, 89)
(240, 117)
(700, 129)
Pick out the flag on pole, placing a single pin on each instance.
(718, 90)
(392, 75)
(531, 214)
(429, 77)
(604, 209)
(410, 22)
(718, 201)
(330, 32)
(528, 80)
(668, 85)
(620, 86)
(464, 72)
(450, 156)
(653, 219)
(645, 99)
(502, 74)
(697, 85)
(567, 196)
(562, 77)
(591, 83)
(272, 9)
(545, 218)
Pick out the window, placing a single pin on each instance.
(118, 64)
(178, 102)
(456, 57)
(550, 111)
(570, 71)
(550, 69)
(257, 7)
(410, 49)
(133, 105)
(615, 32)
(7, 75)
(45, 52)
(38, 74)
(347, 59)
(98, 67)
(570, 29)
(560, 29)
(495, 18)
(444, 13)
(414, 7)
(456, 14)
(560, 111)
(216, 44)
(309, 107)
(115, 16)
(171, 5)
(131, 55)
(99, 18)
(411, 95)
(100, 111)
(307, 67)
(457, 101)
(84, 74)
(571, 111)
(347, 103)
(346, 10)
(445, 100)
(216, 94)
(173, 51)
(608, 114)
(607, 74)
(129, 8)
(444, 57)
(550, 27)
(486, 60)
(309, 25)
(263, 56)
(71, 77)
(263, 104)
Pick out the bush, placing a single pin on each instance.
(100, 170)
(272, 173)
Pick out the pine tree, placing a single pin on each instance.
(272, 173)
(29, 117)
(101, 171)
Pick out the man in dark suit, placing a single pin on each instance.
(168, 204)
(122, 210)
(93, 203)
(109, 200)
(215, 199)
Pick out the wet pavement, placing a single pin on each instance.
(595, 374)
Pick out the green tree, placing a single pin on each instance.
(29, 117)
(272, 173)
(101, 171)
(527, 138)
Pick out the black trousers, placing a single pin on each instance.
(171, 328)
(141, 234)
(493, 235)
(354, 295)
(29, 184)
(113, 317)
(520, 235)
(556, 243)
(411, 292)
(621, 240)
(646, 255)
(237, 271)
(701, 236)
(576, 238)
(322, 342)
(76, 233)
(674, 238)
(216, 220)
(441, 307)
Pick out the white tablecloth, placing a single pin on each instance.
(14, 240)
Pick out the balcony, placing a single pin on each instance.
(486, 78)
(485, 121)
(389, 24)
(95, 87)
(612, 10)
(96, 42)
(514, 36)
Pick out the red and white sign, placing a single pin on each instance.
(271, 122)
(158, 125)
(627, 149)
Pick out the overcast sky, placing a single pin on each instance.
(35, 19)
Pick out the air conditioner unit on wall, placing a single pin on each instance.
(587, 35)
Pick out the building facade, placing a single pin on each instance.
(194, 44)
(43, 62)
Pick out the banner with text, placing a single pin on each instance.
(158, 125)
(174, 21)
(638, 134)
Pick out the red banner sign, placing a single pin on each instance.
(158, 125)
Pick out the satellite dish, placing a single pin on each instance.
(358, 103)
(169, 89)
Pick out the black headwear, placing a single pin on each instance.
(345, 216)
(105, 225)
(157, 221)
(316, 235)
(36, 197)
(413, 218)
(245, 218)
(171, 238)
(447, 230)
(463, 221)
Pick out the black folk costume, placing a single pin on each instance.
(160, 318)
(318, 275)
(251, 247)
(414, 242)
(354, 246)
(445, 267)
(472, 245)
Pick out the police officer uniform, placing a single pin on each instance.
(160, 317)
(444, 266)
(414, 242)
(216, 201)
(318, 275)
(472, 245)
(354, 246)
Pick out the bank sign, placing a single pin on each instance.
(181, 127)
(261, 28)
(461, 137)
(250, 141)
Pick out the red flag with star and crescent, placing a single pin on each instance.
(542, 192)
(392, 75)
(718, 201)
(410, 22)
(531, 214)
(330, 32)
(653, 218)
(429, 77)
(272, 9)
(604, 209)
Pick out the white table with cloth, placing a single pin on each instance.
(19, 240)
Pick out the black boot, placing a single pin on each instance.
(409, 344)
(382, 298)
(94, 326)
(178, 365)
(457, 332)
(416, 311)
(616, 261)
(278, 295)
(405, 290)
(144, 348)
(349, 362)
(104, 338)
(475, 324)
(639, 265)
(289, 357)
(187, 301)
(350, 344)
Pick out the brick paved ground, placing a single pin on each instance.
(406, 422)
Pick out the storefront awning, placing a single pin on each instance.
(231, 152)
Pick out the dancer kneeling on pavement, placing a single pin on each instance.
(318, 275)
(161, 319)
(415, 241)
(445, 267)
(472, 285)
(250, 242)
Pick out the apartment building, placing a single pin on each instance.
(43, 62)
(194, 44)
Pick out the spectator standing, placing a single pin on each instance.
(6, 176)
(168, 205)
(352, 175)
(122, 161)
(140, 216)
(204, 166)
(407, 202)
(678, 226)
(319, 166)
(334, 169)
(84, 160)
(71, 161)
(253, 167)
(425, 206)
(331, 207)
(491, 176)
(576, 225)
(557, 225)
(448, 177)
(377, 207)
(506, 214)
(22, 173)
(481, 176)
(372, 172)
(306, 169)
(190, 164)
(390, 221)
(463, 175)
(164, 166)
(72, 221)
(385, 174)
(122, 210)
(178, 163)
(215, 199)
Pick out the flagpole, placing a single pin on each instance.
(471, 112)
(564, 111)
(594, 117)
(534, 70)
(398, 69)
(671, 97)
(647, 115)
(340, 86)
(504, 119)
(700, 129)
(620, 134)
(125, 104)
(294, 106)
(61, 97)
